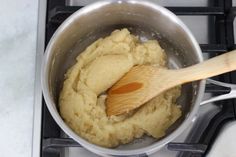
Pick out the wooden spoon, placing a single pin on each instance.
(142, 83)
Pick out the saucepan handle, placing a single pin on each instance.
(201, 148)
(230, 95)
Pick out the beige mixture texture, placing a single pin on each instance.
(82, 99)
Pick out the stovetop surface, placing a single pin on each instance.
(215, 26)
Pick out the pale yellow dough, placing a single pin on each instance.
(82, 99)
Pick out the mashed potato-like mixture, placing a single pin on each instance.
(82, 99)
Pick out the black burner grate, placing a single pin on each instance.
(221, 33)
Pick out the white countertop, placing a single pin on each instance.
(17, 65)
(17, 70)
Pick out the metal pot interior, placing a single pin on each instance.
(142, 19)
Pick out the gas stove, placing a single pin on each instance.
(212, 23)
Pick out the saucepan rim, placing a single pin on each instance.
(95, 148)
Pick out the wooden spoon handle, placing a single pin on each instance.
(212, 67)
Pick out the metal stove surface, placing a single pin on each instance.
(197, 24)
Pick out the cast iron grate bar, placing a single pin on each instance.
(59, 142)
(210, 88)
(213, 48)
(68, 142)
(58, 14)
(197, 11)
(230, 28)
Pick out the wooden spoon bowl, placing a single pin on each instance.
(142, 83)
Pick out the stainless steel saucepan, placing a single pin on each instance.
(142, 18)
